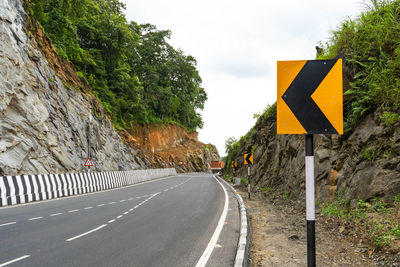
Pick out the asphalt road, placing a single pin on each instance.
(167, 222)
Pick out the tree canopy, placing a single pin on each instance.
(133, 70)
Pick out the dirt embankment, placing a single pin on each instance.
(172, 145)
(279, 236)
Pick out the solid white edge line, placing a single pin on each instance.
(4, 224)
(14, 260)
(213, 241)
(88, 232)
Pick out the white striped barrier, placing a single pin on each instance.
(29, 188)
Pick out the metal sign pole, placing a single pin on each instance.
(248, 175)
(310, 201)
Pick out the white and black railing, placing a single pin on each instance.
(28, 188)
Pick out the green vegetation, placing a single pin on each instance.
(381, 229)
(267, 189)
(369, 45)
(232, 145)
(137, 75)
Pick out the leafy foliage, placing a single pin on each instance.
(137, 75)
(370, 46)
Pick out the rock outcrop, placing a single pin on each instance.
(51, 122)
(44, 121)
(173, 145)
(363, 165)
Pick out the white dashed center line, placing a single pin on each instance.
(123, 200)
(4, 224)
(14, 260)
(70, 211)
(36, 218)
(55, 214)
(88, 208)
(88, 232)
(100, 205)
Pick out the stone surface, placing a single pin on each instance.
(363, 166)
(44, 125)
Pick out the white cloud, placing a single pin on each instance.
(236, 44)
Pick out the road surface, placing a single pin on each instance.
(167, 222)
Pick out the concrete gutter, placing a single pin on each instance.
(245, 231)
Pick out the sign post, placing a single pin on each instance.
(88, 162)
(248, 160)
(310, 101)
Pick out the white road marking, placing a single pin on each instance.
(88, 208)
(112, 202)
(126, 212)
(137, 197)
(120, 216)
(88, 232)
(111, 221)
(14, 260)
(123, 200)
(129, 210)
(136, 206)
(213, 241)
(130, 198)
(4, 224)
(55, 214)
(100, 205)
(70, 211)
(165, 190)
(36, 218)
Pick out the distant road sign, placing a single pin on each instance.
(233, 164)
(248, 159)
(310, 97)
(88, 163)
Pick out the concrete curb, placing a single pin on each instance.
(244, 234)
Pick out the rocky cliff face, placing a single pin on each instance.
(45, 109)
(44, 119)
(174, 146)
(364, 165)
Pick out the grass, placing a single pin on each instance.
(369, 45)
(375, 217)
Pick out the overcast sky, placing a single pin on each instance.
(237, 44)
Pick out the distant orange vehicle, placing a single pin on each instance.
(216, 166)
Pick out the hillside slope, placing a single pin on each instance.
(364, 163)
(46, 106)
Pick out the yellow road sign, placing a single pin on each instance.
(248, 159)
(310, 97)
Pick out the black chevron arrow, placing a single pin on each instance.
(248, 160)
(298, 97)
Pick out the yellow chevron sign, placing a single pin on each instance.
(248, 159)
(310, 97)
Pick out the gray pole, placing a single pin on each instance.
(310, 201)
(248, 175)
(88, 153)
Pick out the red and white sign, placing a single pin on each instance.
(88, 163)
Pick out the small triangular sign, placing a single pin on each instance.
(88, 163)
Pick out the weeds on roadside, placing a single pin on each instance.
(380, 229)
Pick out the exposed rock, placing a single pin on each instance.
(44, 125)
(365, 165)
